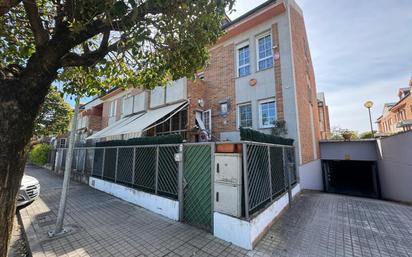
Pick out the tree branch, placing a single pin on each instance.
(88, 59)
(6, 5)
(41, 36)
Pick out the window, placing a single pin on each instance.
(207, 120)
(224, 108)
(172, 125)
(127, 105)
(62, 142)
(112, 108)
(264, 52)
(243, 61)
(267, 113)
(245, 115)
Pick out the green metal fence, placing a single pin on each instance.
(148, 168)
(197, 163)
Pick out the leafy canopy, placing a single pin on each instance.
(54, 116)
(113, 42)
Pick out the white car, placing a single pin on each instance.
(29, 190)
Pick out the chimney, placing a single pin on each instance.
(410, 82)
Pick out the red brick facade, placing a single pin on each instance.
(309, 133)
(278, 73)
(219, 79)
(397, 117)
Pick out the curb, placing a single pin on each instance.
(23, 232)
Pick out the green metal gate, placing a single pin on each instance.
(197, 203)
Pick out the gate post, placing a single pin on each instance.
(287, 172)
(179, 160)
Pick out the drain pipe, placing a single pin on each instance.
(179, 160)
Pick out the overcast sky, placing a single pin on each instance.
(361, 50)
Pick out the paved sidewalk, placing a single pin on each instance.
(317, 225)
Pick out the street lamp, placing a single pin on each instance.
(368, 105)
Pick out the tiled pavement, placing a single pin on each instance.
(317, 225)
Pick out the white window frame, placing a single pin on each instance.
(60, 142)
(238, 113)
(238, 47)
(126, 97)
(207, 114)
(113, 108)
(257, 50)
(260, 112)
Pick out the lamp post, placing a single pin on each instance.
(368, 105)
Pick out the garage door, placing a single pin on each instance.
(359, 178)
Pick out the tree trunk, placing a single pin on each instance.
(20, 100)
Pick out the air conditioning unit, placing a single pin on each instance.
(228, 183)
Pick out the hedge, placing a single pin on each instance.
(256, 136)
(158, 140)
(38, 154)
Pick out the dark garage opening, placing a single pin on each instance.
(357, 178)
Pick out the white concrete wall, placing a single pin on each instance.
(176, 91)
(160, 205)
(395, 167)
(140, 102)
(157, 96)
(356, 150)
(244, 233)
(310, 175)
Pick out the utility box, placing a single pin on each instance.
(228, 183)
(228, 168)
(228, 199)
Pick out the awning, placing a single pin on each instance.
(118, 124)
(138, 123)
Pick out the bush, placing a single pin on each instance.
(158, 140)
(367, 134)
(38, 154)
(256, 136)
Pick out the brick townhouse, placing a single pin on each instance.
(397, 117)
(324, 124)
(259, 71)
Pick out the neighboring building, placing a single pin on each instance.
(397, 117)
(259, 71)
(89, 119)
(324, 124)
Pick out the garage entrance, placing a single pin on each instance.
(359, 178)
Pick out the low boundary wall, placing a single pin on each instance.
(245, 233)
(160, 205)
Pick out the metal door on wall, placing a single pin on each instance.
(197, 173)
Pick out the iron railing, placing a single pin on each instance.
(269, 172)
(81, 162)
(150, 168)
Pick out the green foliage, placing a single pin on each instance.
(367, 134)
(54, 116)
(279, 128)
(158, 140)
(256, 136)
(115, 43)
(38, 154)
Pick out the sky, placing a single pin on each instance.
(361, 50)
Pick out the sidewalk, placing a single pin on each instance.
(107, 226)
(318, 224)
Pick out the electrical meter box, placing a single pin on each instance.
(228, 199)
(228, 168)
(228, 183)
